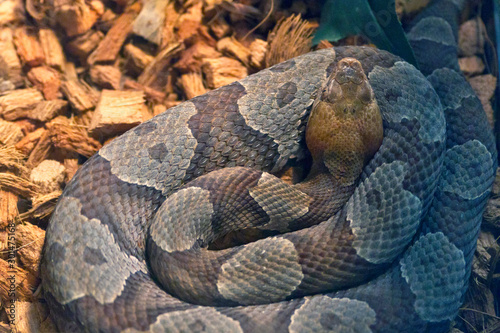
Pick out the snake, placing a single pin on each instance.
(378, 236)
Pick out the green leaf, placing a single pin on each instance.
(375, 19)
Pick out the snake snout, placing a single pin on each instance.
(349, 70)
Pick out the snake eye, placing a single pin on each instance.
(365, 93)
(332, 91)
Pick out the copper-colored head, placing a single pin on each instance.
(345, 127)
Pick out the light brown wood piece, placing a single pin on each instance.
(41, 150)
(83, 45)
(71, 166)
(111, 44)
(258, 49)
(28, 143)
(47, 110)
(17, 104)
(484, 86)
(33, 317)
(471, 37)
(137, 59)
(151, 94)
(28, 47)
(168, 31)
(72, 138)
(77, 16)
(149, 23)
(324, 44)
(47, 80)
(108, 77)
(29, 239)
(192, 58)
(52, 49)
(10, 58)
(11, 11)
(219, 27)
(471, 65)
(154, 72)
(232, 47)
(80, 96)
(8, 208)
(21, 279)
(118, 111)
(158, 108)
(10, 133)
(107, 19)
(192, 84)
(223, 71)
(188, 23)
(48, 175)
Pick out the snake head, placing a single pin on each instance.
(345, 126)
(348, 83)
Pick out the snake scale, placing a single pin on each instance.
(396, 257)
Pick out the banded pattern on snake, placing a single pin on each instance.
(395, 258)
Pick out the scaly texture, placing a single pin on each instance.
(412, 221)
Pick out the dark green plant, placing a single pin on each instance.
(374, 19)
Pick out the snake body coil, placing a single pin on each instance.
(395, 258)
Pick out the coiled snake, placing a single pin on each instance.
(395, 258)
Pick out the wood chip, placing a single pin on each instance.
(108, 77)
(71, 166)
(28, 143)
(137, 59)
(171, 17)
(324, 44)
(230, 46)
(17, 104)
(11, 11)
(10, 133)
(188, 23)
(41, 150)
(471, 38)
(223, 71)
(18, 185)
(118, 111)
(149, 23)
(47, 110)
(28, 47)
(83, 45)
(48, 175)
(192, 84)
(192, 59)
(484, 86)
(52, 49)
(47, 80)
(111, 44)
(24, 282)
(258, 49)
(43, 206)
(80, 96)
(8, 208)
(33, 317)
(293, 31)
(471, 65)
(219, 27)
(77, 16)
(9, 57)
(72, 138)
(151, 94)
(29, 240)
(154, 74)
